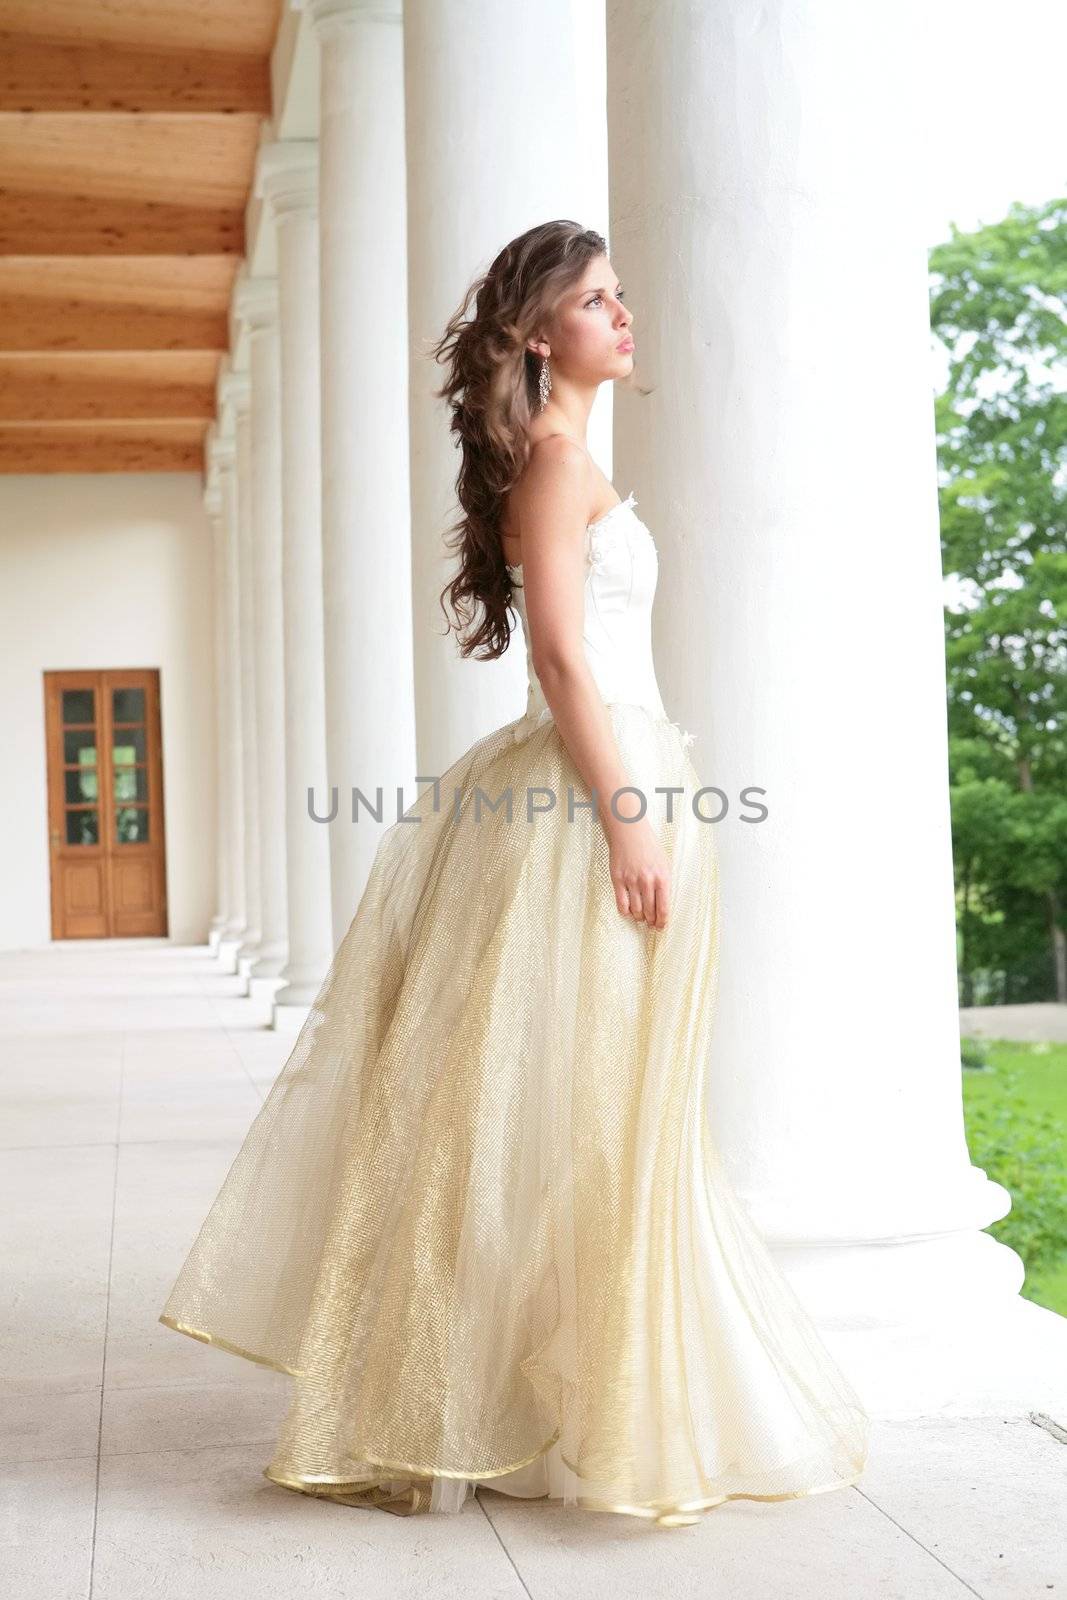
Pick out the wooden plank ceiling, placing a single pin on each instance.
(128, 132)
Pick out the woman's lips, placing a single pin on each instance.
(626, 346)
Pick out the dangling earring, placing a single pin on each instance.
(544, 383)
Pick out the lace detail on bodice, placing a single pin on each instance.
(599, 535)
(622, 569)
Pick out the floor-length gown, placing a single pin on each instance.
(480, 1217)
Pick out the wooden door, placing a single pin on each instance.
(105, 804)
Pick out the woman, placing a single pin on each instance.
(479, 1218)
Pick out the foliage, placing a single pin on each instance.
(997, 310)
(974, 1053)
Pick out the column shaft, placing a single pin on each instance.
(366, 523)
(288, 177)
(257, 304)
(250, 785)
(223, 887)
(798, 625)
(231, 693)
(531, 74)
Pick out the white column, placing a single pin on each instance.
(225, 453)
(505, 129)
(256, 305)
(220, 502)
(288, 179)
(365, 512)
(240, 392)
(214, 511)
(784, 461)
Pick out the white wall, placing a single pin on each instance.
(106, 570)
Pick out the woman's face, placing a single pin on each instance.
(590, 338)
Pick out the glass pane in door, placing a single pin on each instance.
(78, 706)
(83, 827)
(80, 786)
(127, 705)
(128, 745)
(131, 824)
(131, 783)
(79, 747)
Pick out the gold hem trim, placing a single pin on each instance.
(677, 1515)
(298, 1480)
(364, 1492)
(664, 1514)
(224, 1344)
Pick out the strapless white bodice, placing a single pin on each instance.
(622, 567)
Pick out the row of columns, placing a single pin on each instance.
(332, 479)
(342, 467)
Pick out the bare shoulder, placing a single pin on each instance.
(556, 483)
(557, 452)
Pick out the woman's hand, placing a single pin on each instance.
(640, 872)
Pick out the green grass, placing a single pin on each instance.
(1016, 1118)
(1042, 1066)
(1049, 1288)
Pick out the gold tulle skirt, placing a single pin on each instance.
(480, 1218)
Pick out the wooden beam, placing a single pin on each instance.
(235, 26)
(128, 138)
(112, 303)
(135, 385)
(87, 183)
(50, 225)
(102, 447)
(40, 74)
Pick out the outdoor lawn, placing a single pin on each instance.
(1016, 1114)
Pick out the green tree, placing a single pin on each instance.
(997, 308)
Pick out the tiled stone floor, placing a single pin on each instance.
(132, 1457)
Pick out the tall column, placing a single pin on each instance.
(225, 455)
(784, 460)
(256, 305)
(213, 508)
(370, 735)
(531, 74)
(288, 179)
(240, 394)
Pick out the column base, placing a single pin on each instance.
(287, 1017)
(302, 984)
(934, 1326)
(226, 954)
(1011, 1363)
(270, 960)
(247, 955)
(262, 988)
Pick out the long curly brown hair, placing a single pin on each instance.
(492, 387)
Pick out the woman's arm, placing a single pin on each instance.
(553, 512)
